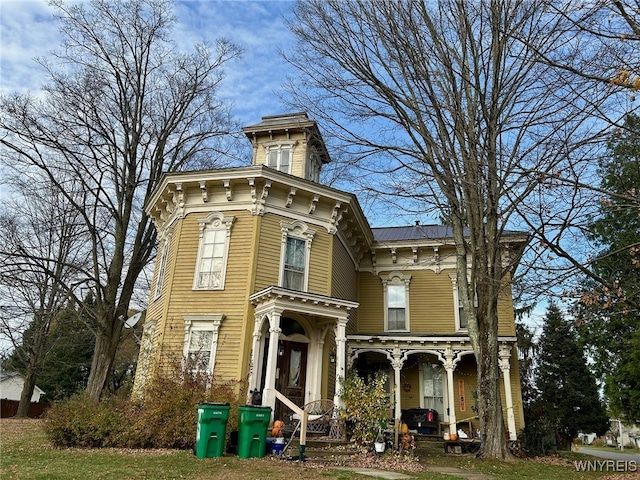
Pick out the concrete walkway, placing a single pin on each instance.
(389, 475)
(374, 472)
(612, 455)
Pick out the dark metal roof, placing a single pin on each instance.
(419, 232)
(284, 121)
(415, 232)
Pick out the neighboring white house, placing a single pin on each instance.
(11, 387)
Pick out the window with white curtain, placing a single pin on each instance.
(213, 249)
(294, 257)
(433, 387)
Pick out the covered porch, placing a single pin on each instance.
(434, 377)
(299, 342)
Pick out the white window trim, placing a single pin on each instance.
(457, 303)
(280, 145)
(213, 221)
(301, 231)
(442, 416)
(203, 322)
(157, 292)
(396, 278)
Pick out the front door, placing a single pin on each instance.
(290, 376)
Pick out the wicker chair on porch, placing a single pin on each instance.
(320, 413)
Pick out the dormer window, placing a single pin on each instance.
(279, 155)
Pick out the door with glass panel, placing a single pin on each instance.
(290, 376)
(433, 388)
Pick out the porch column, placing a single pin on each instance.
(268, 395)
(450, 366)
(505, 366)
(316, 385)
(255, 356)
(341, 340)
(396, 363)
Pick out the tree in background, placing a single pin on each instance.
(121, 107)
(65, 370)
(609, 310)
(569, 398)
(447, 106)
(42, 249)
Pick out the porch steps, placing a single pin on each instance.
(335, 452)
(321, 450)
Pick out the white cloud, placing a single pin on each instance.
(28, 30)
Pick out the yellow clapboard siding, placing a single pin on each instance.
(371, 309)
(345, 281)
(269, 251)
(230, 301)
(431, 302)
(320, 262)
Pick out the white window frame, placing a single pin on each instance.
(215, 221)
(441, 414)
(164, 253)
(204, 322)
(396, 279)
(300, 231)
(277, 147)
(457, 303)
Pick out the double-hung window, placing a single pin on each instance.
(279, 159)
(294, 264)
(396, 301)
(462, 321)
(164, 254)
(213, 250)
(296, 247)
(396, 307)
(280, 154)
(201, 341)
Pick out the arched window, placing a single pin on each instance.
(213, 249)
(396, 301)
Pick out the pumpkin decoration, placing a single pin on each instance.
(453, 437)
(277, 429)
(406, 441)
(404, 428)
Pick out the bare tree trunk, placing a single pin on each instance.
(489, 400)
(103, 357)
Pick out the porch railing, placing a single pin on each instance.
(304, 415)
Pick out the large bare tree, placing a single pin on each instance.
(122, 105)
(41, 250)
(446, 103)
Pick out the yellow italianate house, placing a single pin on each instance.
(269, 275)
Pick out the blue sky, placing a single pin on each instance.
(27, 30)
(252, 83)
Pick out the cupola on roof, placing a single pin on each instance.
(290, 143)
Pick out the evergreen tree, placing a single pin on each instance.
(568, 391)
(70, 343)
(609, 311)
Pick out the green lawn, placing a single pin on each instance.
(26, 454)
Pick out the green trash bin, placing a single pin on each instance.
(212, 429)
(253, 423)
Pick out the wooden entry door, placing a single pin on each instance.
(290, 376)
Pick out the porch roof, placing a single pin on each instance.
(274, 297)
